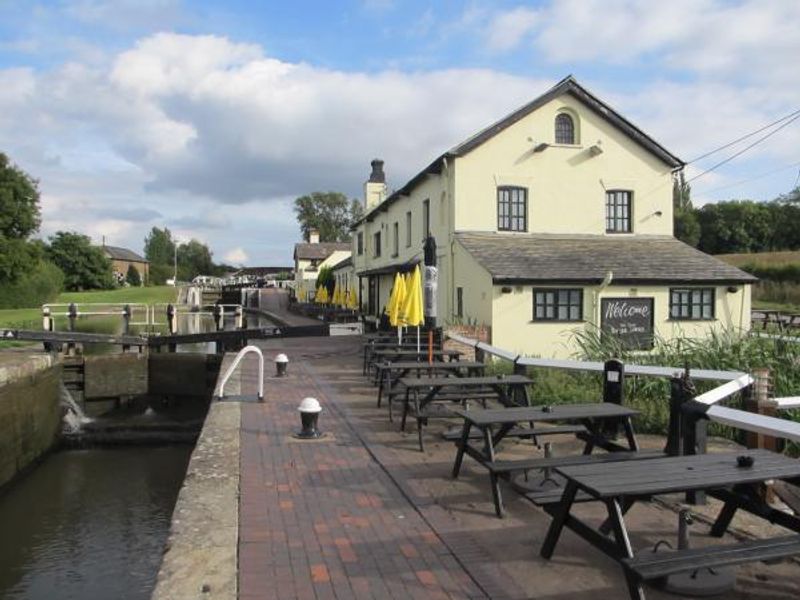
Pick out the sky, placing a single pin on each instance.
(209, 118)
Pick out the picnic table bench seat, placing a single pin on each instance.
(520, 432)
(655, 565)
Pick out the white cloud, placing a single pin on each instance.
(236, 256)
(216, 137)
(507, 29)
(751, 40)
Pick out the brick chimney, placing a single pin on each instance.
(313, 236)
(375, 187)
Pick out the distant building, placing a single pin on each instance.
(554, 221)
(262, 272)
(122, 258)
(310, 256)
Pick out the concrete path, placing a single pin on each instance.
(274, 301)
(363, 514)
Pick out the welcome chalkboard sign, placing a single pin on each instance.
(630, 320)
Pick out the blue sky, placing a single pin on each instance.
(210, 117)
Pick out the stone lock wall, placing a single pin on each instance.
(30, 415)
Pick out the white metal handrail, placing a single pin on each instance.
(597, 366)
(235, 363)
(735, 381)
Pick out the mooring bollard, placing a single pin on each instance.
(47, 320)
(309, 415)
(281, 364)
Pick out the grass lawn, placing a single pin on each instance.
(761, 258)
(145, 295)
(24, 318)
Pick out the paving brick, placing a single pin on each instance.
(323, 519)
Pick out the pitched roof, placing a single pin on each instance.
(587, 258)
(117, 253)
(320, 251)
(568, 85)
(344, 263)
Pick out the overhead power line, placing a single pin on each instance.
(746, 148)
(744, 137)
(754, 178)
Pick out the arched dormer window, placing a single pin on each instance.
(565, 129)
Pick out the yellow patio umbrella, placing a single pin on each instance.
(412, 312)
(322, 295)
(300, 293)
(335, 295)
(395, 305)
(353, 298)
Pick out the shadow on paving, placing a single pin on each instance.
(501, 555)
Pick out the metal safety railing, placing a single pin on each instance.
(734, 382)
(127, 310)
(232, 368)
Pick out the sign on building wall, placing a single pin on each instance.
(630, 320)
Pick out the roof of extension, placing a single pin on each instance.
(117, 253)
(543, 258)
(568, 85)
(320, 251)
(344, 263)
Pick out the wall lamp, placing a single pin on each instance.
(596, 149)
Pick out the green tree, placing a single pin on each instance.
(132, 276)
(85, 267)
(330, 213)
(194, 258)
(19, 202)
(686, 223)
(159, 247)
(736, 226)
(325, 277)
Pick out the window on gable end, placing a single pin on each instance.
(565, 129)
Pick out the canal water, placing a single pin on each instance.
(92, 524)
(89, 524)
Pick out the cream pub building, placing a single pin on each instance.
(555, 219)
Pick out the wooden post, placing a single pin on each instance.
(239, 317)
(219, 317)
(480, 355)
(761, 401)
(689, 434)
(47, 325)
(72, 315)
(126, 325)
(519, 394)
(613, 391)
(677, 397)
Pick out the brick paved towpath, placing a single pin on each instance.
(363, 514)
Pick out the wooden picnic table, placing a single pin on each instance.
(422, 391)
(586, 421)
(396, 354)
(389, 373)
(768, 316)
(370, 347)
(619, 485)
